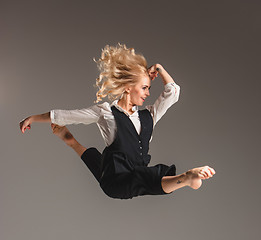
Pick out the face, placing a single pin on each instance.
(140, 91)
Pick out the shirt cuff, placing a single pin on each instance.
(52, 117)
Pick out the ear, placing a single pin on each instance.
(128, 89)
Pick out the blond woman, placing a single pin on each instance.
(122, 169)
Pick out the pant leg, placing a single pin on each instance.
(147, 180)
(93, 158)
(141, 181)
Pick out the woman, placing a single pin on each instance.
(122, 169)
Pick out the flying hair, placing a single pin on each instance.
(119, 67)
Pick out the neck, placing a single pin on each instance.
(126, 105)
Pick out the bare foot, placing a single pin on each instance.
(63, 133)
(196, 175)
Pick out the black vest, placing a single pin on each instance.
(129, 149)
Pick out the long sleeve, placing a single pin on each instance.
(168, 97)
(84, 116)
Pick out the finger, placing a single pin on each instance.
(209, 174)
(203, 173)
(149, 70)
(201, 176)
(212, 171)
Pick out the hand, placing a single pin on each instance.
(26, 123)
(153, 72)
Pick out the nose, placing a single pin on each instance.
(148, 93)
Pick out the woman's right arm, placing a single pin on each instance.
(26, 123)
(65, 117)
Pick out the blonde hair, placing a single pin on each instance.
(119, 67)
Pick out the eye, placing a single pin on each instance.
(144, 88)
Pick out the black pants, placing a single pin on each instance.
(141, 181)
(92, 158)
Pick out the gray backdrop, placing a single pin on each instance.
(212, 50)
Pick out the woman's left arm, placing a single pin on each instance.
(168, 97)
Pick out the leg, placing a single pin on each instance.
(192, 178)
(67, 137)
(91, 156)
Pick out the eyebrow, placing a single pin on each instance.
(146, 86)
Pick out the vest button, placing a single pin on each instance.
(139, 141)
(140, 153)
(140, 147)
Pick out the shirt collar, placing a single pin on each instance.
(115, 103)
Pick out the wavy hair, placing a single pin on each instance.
(119, 67)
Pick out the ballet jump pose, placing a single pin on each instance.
(122, 168)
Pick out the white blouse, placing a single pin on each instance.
(101, 114)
